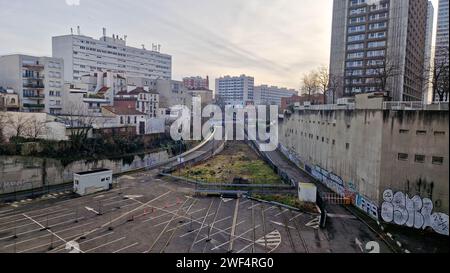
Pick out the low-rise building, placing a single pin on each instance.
(272, 95)
(296, 100)
(142, 99)
(196, 83)
(385, 156)
(9, 100)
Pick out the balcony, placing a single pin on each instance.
(30, 105)
(34, 66)
(34, 96)
(34, 85)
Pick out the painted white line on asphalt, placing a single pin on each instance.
(299, 214)
(187, 218)
(38, 229)
(56, 217)
(46, 235)
(106, 244)
(95, 238)
(240, 236)
(217, 232)
(127, 247)
(272, 207)
(278, 214)
(51, 232)
(255, 205)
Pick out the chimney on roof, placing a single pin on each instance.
(78, 30)
(104, 32)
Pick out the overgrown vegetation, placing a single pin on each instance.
(109, 147)
(237, 164)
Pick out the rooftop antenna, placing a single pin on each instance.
(78, 30)
(104, 32)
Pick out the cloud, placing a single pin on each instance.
(73, 2)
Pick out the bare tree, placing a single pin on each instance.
(310, 83)
(19, 124)
(3, 123)
(440, 75)
(323, 80)
(382, 73)
(35, 128)
(80, 122)
(336, 87)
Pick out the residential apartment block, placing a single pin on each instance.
(235, 90)
(84, 55)
(272, 95)
(196, 83)
(38, 81)
(379, 46)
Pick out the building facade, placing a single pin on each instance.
(272, 95)
(235, 90)
(196, 83)
(379, 46)
(38, 81)
(442, 39)
(373, 151)
(85, 55)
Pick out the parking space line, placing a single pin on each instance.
(299, 214)
(42, 236)
(32, 223)
(162, 209)
(270, 208)
(96, 237)
(240, 236)
(255, 205)
(202, 225)
(217, 232)
(105, 244)
(51, 232)
(38, 229)
(233, 229)
(278, 214)
(127, 247)
(39, 246)
(164, 229)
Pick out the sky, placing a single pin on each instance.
(275, 41)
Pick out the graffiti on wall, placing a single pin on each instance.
(332, 181)
(366, 205)
(415, 212)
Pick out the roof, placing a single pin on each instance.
(123, 110)
(103, 90)
(137, 91)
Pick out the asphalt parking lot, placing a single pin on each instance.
(147, 214)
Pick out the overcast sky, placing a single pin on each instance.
(273, 40)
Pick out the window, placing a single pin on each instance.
(402, 131)
(419, 158)
(421, 132)
(402, 156)
(347, 146)
(439, 133)
(334, 142)
(437, 160)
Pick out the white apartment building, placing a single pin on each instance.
(272, 95)
(37, 80)
(235, 90)
(84, 55)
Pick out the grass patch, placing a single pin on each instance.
(238, 163)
